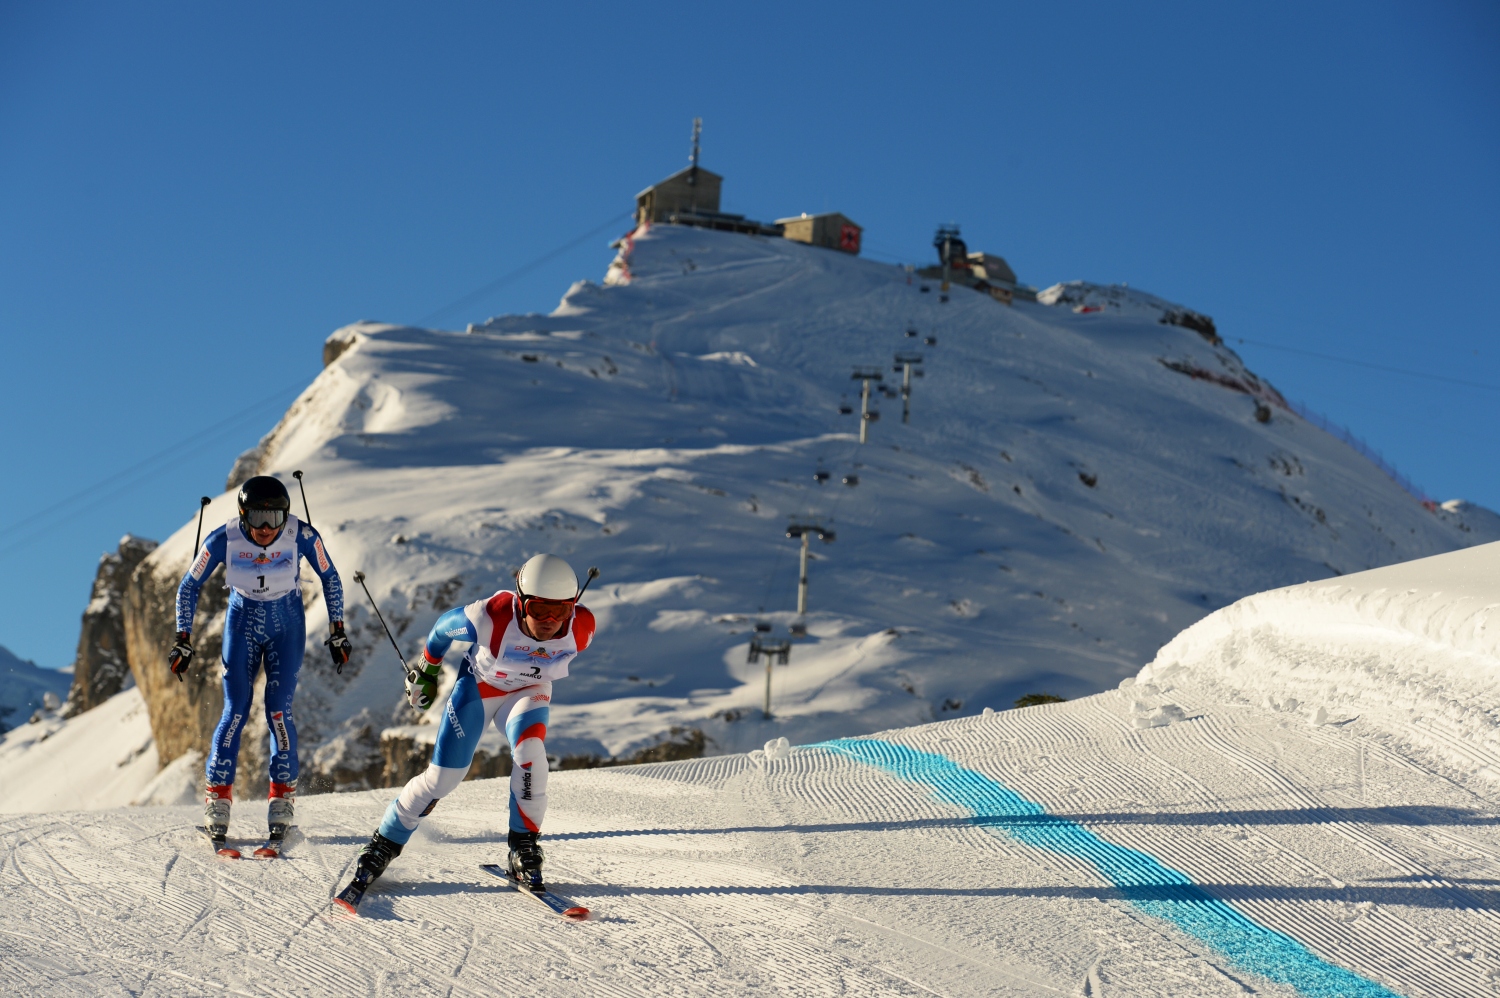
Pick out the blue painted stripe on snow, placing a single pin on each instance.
(1144, 881)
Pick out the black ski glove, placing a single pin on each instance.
(181, 655)
(338, 645)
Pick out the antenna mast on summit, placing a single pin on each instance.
(693, 157)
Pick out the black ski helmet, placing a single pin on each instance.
(263, 493)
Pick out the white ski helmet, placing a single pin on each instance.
(547, 576)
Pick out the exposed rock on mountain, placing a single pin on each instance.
(102, 664)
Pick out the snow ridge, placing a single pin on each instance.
(1410, 650)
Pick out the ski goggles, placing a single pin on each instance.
(546, 609)
(259, 518)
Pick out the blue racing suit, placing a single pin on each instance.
(264, 624)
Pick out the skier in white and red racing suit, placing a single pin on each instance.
(519, 644)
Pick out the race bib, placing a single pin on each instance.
(262, 573)
(506, 658)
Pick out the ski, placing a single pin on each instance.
(272, 848)
(275, 846)
(556, 903)
(222, 848)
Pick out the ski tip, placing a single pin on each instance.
(344, 909)
(227, 852)
(576, 914)
(266, 852)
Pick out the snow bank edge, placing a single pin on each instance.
(1408, 650)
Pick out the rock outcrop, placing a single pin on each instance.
(247, 465)
(102, 663)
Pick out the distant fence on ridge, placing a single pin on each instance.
(1347, 436)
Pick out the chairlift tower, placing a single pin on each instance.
(906, 360)
(776, 653)
(946, 236)
(866, 417)
(806, 531)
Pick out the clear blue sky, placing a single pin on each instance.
(193, 195)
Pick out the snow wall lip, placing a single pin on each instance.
(1407, 649)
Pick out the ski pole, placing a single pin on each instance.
(202, 505)
(306, 516)
(360, 578)
(197, 537)
(593, 574)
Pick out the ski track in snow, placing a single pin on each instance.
(813, 874)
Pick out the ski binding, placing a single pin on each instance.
(556, 903)
(222, 848)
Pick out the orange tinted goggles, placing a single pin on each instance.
(547, 609)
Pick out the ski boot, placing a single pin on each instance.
(279, 814)
(217, 801)
(282, 804)
(526, 860)
(373, 859)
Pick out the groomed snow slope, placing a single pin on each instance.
(1072, 490)
(1090, 848)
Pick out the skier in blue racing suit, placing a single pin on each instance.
(261, 550)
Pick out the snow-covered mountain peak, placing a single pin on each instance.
(1072, 489)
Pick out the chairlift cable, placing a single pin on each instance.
(130, 477)
(478, 293)
(1369, 364)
